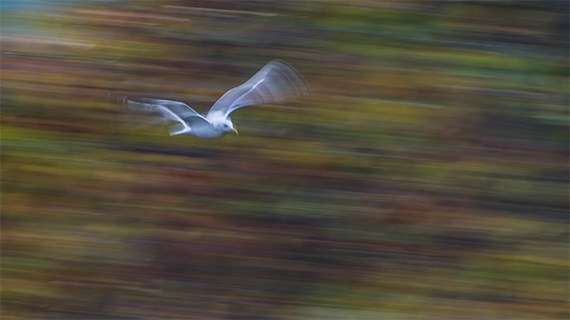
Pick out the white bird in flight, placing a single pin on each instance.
(276, 82)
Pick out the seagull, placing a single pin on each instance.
(276, 82)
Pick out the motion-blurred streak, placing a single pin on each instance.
(223, 11)
(103, 15)
(498, 92)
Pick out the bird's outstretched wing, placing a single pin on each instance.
(274, 83)
(171, 110)
(176, 111)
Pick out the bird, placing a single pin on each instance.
(276, 82)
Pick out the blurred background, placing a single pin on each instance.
(426, 177)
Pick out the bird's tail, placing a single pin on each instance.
(178, 128)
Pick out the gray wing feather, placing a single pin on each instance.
(276, 82)
(173, 111)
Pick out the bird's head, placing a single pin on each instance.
(225, 126)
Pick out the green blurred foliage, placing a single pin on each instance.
(425, 178)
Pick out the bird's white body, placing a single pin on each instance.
(274, 83)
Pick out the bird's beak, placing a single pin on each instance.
(234, 130)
